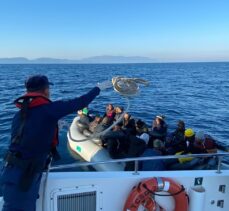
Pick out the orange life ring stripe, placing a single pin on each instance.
(142, 194)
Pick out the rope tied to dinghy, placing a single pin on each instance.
(126, 87)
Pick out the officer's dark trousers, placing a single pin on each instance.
(14, 198)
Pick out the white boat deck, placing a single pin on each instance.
(208, 190)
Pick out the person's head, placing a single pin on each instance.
(199, 137)
(160, 119)
(98, 119)
(85, 111)
(118, 109)
(39, 84)
(110, 107)
(126, 116)
(139, 124)
(181, 125)
(80, 112)
(189, 134)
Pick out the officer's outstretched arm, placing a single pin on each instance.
(61, 108)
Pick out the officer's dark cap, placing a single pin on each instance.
(37, 83)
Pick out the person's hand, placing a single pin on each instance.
(154, 124)
(105, 85)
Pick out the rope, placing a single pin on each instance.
(126, 87)
(157, 194)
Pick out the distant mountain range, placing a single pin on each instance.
(90, 60)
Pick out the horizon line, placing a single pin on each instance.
(92, 63)
(104, 59)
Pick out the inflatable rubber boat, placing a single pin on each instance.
(90, 150)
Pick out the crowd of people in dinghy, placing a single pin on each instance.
(133, 138)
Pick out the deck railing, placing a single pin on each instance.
(136, 160)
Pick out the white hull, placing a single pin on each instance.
(90, 150)
(108, 191)
(112, 188)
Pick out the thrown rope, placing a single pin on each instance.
(126, 87)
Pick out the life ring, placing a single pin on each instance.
(141, 195)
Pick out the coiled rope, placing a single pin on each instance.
(127, 86)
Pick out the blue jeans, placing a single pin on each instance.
(14, 198)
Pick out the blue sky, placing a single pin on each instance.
(167, 30)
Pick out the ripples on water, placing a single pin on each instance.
(195, 92)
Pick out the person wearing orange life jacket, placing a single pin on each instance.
(34, 134)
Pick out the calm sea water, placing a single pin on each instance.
(197, 93)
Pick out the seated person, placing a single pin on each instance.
(141, 127)
(205, 143)
(179, 132)
(83, 122)
(83, 114)
(116, 142)
(128, 124)
(94, 123)
(195, 145)
(190, 140)
(110, 113)
(189, 135)
(118, 112)
(175, 141)
(186, 162)
(153, 165)
(159, 130)
(142, 131)
(103, 125)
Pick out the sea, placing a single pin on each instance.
(197, 93)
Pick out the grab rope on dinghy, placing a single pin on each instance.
(126, 87)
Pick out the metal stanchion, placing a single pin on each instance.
(219, 164)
